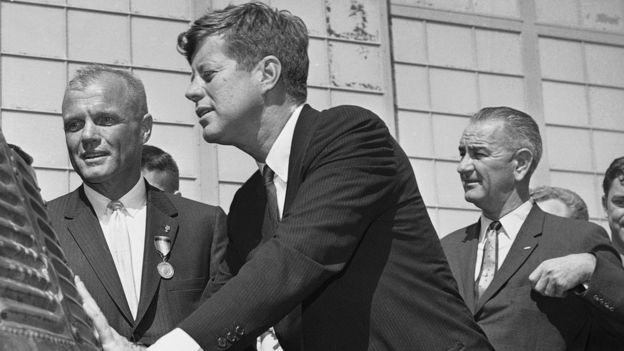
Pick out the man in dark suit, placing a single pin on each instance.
(517, 265)
(330, 244)
(149, 285)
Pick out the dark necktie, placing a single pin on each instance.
(271, 211)
(489, 264)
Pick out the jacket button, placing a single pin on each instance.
(231, 337)
(240, 330)
(222, 342)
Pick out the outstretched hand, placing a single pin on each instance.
(110, 339)
(556, 276)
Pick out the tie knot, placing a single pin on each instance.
(267, 174)
(495, 226)
(115, 205)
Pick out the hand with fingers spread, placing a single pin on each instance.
(557, 276)
(110, 339)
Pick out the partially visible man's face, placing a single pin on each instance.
(104, 135)
(556, 207)
(227, 98)
(161, 180)
(486, 167)
(613, 204)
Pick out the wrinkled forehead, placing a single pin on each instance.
(483, 133)
(101, 92)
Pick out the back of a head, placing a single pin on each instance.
(521, 129)
(90, 74)
(154, 159)
(615, 171)
(251, 32)
(575, 204)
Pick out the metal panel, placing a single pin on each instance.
(39, 306)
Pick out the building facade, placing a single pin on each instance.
(423, 65)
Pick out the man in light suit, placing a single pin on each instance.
(106, 123)
(330, 244)
(516, 267)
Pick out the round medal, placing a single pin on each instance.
(165, 269)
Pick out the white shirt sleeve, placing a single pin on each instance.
(176, 339)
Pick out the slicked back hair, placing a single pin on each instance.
(520, 129)
(90, 74)
(615, 171)
(251, 32)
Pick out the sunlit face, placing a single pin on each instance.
(228, 98)
(486, 167)
(103, 132)
(613, 204)
(556, 207)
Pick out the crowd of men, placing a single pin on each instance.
(328, 246)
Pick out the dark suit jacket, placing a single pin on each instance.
(162, 303)
(354, 264)
(515, 317)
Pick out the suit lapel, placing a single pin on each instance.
(290, 326)
(160, 221)
(83, 225)
(525, 243)
(468, 251)
(299, 145)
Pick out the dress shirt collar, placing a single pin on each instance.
(133, 201)
(279, 154)
(511, 222)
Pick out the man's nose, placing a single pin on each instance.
(465, 164)
(194, 91)
(90, 135)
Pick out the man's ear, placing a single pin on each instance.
(604, 203)
(146, 127)
(523, 159)
(270, 71)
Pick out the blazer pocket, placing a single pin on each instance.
(184, 296)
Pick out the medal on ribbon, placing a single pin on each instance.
(163, 247)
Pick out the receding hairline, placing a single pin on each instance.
(134, 97)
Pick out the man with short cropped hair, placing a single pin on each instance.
(533, 281)
(144, 254)
(160, 169)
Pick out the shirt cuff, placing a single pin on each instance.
(176, 339)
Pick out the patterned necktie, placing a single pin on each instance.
(271, 212)
(122, 254)
(489, 264)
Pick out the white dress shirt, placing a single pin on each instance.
(135, 211)
(278, 159)
(510, 226)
